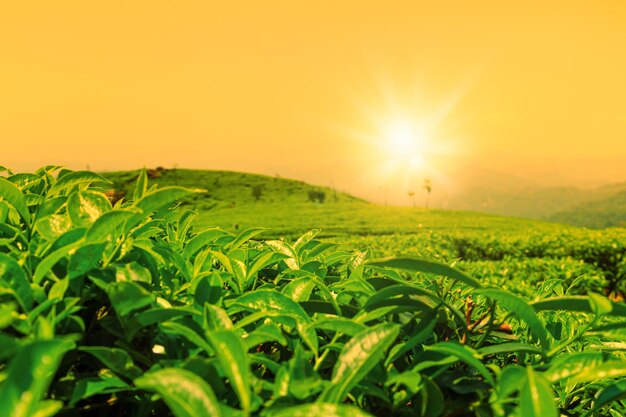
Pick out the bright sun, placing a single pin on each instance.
(401, 137)
(405, 142)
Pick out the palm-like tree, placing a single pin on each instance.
(428, 187)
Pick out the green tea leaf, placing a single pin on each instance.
(48, 408)
(5, 169)
(117, 360)
(88, 387)
(613, 392)
(511, 379)
(522, 310)
(185, 393)
(207, 289)
(127, 297)
(85, 207)
(233, 360)
(397, 294)
(536, 396)
(285, 249)
(12, 276)
(567, 365)
(610, 369)
(28, 376)
(339, 325)
(320, 410)
(25, 180)
(4, 211)
(261, 261)
(201, 240)
(133, 272)
(156, 315)
(357, 358)
(53, 226)
(575, 303)
(276, 304)
(85, 259)
(49, 261)
(158, 199)
(511, 347)
(170, 256)
(50, 206)
(185, 332)
(58, 289)
(7, 315)
(465, 354)
(304, 239)
(245, 236)
(74, 178)
(108, 223)
(427, 266)
(265, 333)
(216, 318)
(12, 195)
(600, 305)
(141, 186)
(299, 289)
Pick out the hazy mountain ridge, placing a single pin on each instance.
(600, 213)
(506, 194)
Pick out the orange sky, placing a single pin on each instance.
(303, 88)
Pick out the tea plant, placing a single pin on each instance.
(125, 310)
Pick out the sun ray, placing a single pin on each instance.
(405, 138)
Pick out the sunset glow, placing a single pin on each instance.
(314, 91)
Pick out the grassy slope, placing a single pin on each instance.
(284, 208)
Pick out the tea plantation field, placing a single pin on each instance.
(177, 301)
(518, 253)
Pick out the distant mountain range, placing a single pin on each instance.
(548, 197)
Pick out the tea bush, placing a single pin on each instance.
(125, 310)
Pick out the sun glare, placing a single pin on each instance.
(402, 138)
(405, 143)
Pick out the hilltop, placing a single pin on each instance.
(229, 188)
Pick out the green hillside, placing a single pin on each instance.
(285, 208)
(230, 203)
(227, 188)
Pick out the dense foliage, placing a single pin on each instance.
(521, 259)
(125, 310)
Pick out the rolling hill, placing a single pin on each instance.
(286, 208)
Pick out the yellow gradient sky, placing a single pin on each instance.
(309, 89)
